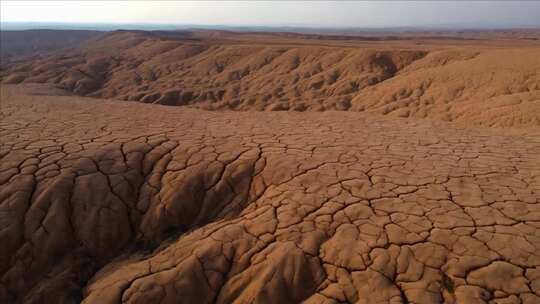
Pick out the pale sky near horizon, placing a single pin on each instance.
(279, 13)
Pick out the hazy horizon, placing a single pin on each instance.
(327, 14)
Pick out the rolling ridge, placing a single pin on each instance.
(463, 84)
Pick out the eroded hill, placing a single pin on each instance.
(137, 194)
(119, 202)
(484, 82)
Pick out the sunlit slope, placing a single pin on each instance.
(476, 84)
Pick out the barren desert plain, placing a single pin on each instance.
(210, 166)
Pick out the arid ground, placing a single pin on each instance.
(221, 167)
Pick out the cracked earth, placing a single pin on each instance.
(109, 202)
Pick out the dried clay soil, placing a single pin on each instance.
(111, 201)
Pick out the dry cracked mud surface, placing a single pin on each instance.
(110, 201)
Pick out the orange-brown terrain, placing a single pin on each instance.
(389, 170)
(493, 82)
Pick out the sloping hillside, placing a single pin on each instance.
(482, 84)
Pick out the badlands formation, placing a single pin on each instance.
(218, 167)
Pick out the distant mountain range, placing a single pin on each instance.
(285, 28)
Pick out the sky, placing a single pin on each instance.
(372, 14)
